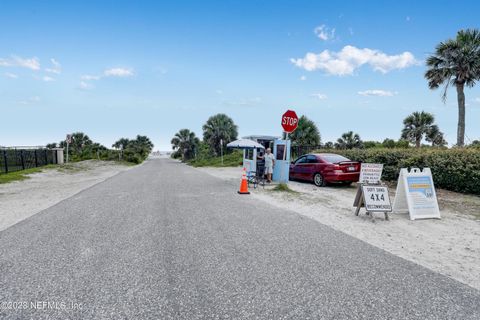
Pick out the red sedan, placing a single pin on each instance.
(324, 168)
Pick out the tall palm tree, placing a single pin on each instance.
(306, 134)
(349, 140)
(416, 126)
(219, 128)
(456, 62)
(185, 143)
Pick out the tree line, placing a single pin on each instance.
(218, 131)
(83, 148)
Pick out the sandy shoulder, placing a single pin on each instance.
(450, 246)
(22, 199)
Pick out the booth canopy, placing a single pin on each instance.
(244, 144)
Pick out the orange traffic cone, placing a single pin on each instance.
(244, 184)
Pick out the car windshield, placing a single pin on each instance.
(334, 158)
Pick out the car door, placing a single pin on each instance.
(309, 167)
(302, 172)
(297, 168)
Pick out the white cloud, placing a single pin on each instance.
(16, 61)
(85, 85)
(350, 58)
(4, 63)
(319, 96)
(30, 100)
(324, 33)
(303, 78)
(377, 93)
(11, 75)
(90, 77)
(244, 102)
(113, 72)
(48, 79)
(31, 63)
(56, 67)
(118, 72)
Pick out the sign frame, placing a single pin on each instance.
(370, 173)
(366, 197)
(416, 194)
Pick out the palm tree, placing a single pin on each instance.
(79, 141)
(219, 128)
(435, 136)
(185, 144)
(329, 145)
(121, 143)
(144, 143)
(416, 126)
(349, 140)
(306, 134)
(456, 62)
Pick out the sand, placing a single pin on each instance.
(22, 199)
(450, 246)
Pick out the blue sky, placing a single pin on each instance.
(116, 68)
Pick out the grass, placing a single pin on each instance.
(283, 187)
(23, 174)
(233, 159)
(71, 167)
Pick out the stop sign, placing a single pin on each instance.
(289, 121)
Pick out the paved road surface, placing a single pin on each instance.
(164, 241)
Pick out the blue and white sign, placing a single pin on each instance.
(416, 194)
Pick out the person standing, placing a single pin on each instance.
(269, 164)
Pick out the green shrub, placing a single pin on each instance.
(232, 159)
(452, 169)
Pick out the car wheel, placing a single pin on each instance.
(319, 180)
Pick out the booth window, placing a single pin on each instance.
(280, 150)
(249, 154)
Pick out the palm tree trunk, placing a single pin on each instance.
(461, 115)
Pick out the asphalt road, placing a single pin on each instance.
(165, 241)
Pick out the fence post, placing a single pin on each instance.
(46, 157)
(5, 159)
(23, 159)
(36, 158)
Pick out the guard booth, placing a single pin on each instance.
(280, 149)
(252, 157)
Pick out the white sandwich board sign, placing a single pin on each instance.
(370, 173)
(376, 198)
(416, 194)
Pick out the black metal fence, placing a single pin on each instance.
(21, 158)
(297, 151)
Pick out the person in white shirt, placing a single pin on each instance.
(269, 164)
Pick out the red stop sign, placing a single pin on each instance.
(289, 121)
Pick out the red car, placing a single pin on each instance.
(324, 168)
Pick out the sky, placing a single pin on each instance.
(116, 69)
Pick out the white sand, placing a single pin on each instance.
(450, 246)
(22, 199)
